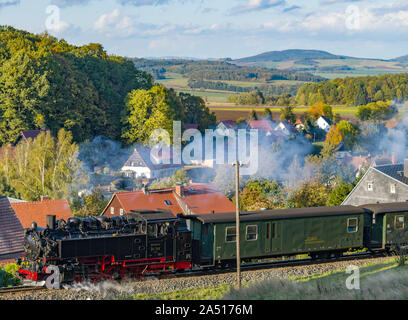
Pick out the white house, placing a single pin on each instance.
(140, 164)
(286, 128)
(324, 123)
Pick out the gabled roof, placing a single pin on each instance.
(230, 124)
(141, 156)
(196, 199)
(287, 125)
(395, 171)
(263, 125)
(325, 119)
(37, 211)
(11, 229)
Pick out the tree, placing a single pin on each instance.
(253, 115)
(376, 111)
(287, 114)
(310, 194)
(267, 114)
(349, 133)
(261, 193)
(44, 167)
(89, 205)
(339, 193)
(334, 136)
(148, 110)
(195, 111)
(320, 109)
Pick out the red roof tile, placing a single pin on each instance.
(263, 125)
(196, 199)
(37, 211)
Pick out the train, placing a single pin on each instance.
(146, 242)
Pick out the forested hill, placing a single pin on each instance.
(219, 70)
(293, 54)
(355, 90)
(46, 82)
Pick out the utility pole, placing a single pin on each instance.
(237, 224)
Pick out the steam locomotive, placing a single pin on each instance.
(144, 242)
(102, 248)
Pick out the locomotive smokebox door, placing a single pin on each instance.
(51, 221)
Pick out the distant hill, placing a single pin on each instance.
(402, 59)
(323, 63)
(295, 54)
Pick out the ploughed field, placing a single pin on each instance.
(197, 287)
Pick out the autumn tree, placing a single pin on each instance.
(45, 166)
(320, 109)
(309, 194)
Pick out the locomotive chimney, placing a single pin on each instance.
(51, 221)
(406, 168)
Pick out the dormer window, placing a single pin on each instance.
(370, 186)
(392, 188)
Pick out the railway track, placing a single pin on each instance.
(274, 264)
(19, 289)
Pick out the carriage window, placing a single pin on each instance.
(399, 222)
(352, 225)
(251, 233)
(230, 234)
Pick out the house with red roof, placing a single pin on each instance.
(36, 211)
(264, 126)
(194, 198)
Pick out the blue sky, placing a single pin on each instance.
(219, 28)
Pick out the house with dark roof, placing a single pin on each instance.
(381, 184)
(142, 164)
(286, 128)
(28, 134)
(195, 198)
(11, 231)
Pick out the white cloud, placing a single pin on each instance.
(256, 5)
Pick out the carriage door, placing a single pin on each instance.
(268, 237)
(276, 236)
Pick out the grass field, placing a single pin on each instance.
(380, 280)
(230, 111)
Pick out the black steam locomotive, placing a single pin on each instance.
(102, 248)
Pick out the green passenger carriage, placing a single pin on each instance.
(319, 232)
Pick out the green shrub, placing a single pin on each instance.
(7, 275)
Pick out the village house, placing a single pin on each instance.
(194, 198)
(140, 165)
(265, 127)
(286, 128)
(28, 134)
(324, 123)
(37, 211)
(381, 184)
(11, 231)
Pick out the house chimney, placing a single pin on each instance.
(406, 168)
(180, 189)
(45, 198)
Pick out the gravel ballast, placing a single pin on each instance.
(153, 285)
